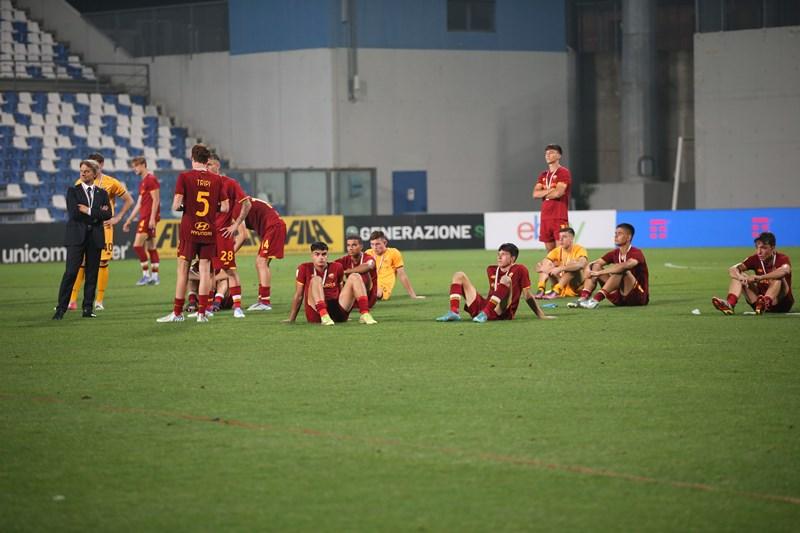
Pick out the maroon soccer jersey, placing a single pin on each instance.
(149, 183)
(639, 272)
(332, 276)
(261, 216)
(370, 278)
(770, 265)
(201, 195)
(520, 279)
(232, 191)
(557, 207)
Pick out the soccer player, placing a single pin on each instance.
(553, 188)
(563, 266)
(148, 207)
(389, 264)
(227, 225)
(271, 229)
(328, 294)
(769, 290)
(198, 192)
(508, 281)
(356, 261)
(626, 278)
(115, 189)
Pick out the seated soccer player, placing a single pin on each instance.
(563, 267)
(622, 272)
(769, 289)
(221, 294)
(356, 261)
(507, 282)
(390, 266)
(328, 294)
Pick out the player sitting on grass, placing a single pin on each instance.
(356, 261)
(625, 280)
(507, 282)
(563, 266)
(769, 289)
(328, 295)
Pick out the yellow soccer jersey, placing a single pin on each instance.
(387, 265)
(114, 188)
(559, 257)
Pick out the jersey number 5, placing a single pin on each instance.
(202, 198)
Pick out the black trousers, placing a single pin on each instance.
(75, 257)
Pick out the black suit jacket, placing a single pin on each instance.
(79, 225)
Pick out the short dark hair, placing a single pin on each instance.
(510, 248)
(200, 153)
(555, 147)
(139, 160)
(627, 227)
(319, 246)
(97, 156)
(214, 157)
(352, 237)
(567, 229)
(766, 237)
(377, 234)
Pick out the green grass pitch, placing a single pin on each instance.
(617, 419)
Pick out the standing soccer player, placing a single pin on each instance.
(271, 229)
(553, 188)
(356, 261)
(625, 281)
(227, 224)
(508, 281)
(390, 267)
(769, 290)
(148, 206)
(115, 189)
(328, 294)
(198, 191)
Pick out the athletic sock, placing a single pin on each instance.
(363, 304)
(540, 286)
(557, 287)
(767, 302)
(201, 307)
(153, 260)
(456, 294)
(178, 306)
(732, 299)
(192, 298)
(77, 285)
(585, 294)
(236, 296)
(600, 296)
(142, 255)
(218, 298)
(322, 308)
(263, 294)
(102, 283)
(497, 295)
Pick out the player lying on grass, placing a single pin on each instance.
(327, 293)
(563, 267)
(769, 289)
(507, 282)
(625, 277)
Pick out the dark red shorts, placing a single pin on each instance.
(477, 306)
(143, 227)
(189, 250)
(272, 241)
(224, 259)
(548, 229)
(636, 297)
(335, 311)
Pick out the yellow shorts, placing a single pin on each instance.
(108, 249)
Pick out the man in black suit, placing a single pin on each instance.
(87, 207)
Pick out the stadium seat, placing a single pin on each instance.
(42, 215)
(13, 190)
(59, 201)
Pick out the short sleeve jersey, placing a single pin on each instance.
(556, 208)
(760, 267)
(148, 184)
(370, 278)
(560, 257)
(640, 272)
(520, 280)
(114, 188)
(387, 264)
(232, 191)
(332, 276)
(261, 216)
(201, 195)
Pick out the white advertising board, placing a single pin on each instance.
(593, 229)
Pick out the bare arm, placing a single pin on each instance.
(241, 235)
(539, 190)
(363, 268)
(403, 277)
(246, 205)
(531, 301)
(224, 206)
(779, 273)
(127, 225)
(177, 201)
(556, 192)
(127, 202)
(576, 265)
(297, 299)
(618, 268)
(737, 272)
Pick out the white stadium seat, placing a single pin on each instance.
(21, 143)
(13, 190)
(42, 215)
(178, 164)
(35, 131)
(50, 141)
(124, 99)
(75, 164)
(122, 164)
(37, 119)
(60, 202)
(21, 130)
(48, 165)
(31, 178)
(82, 98)
(48, 153)
(51, 130)
(79, 130)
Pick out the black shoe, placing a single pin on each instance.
(58, 315)
(87, 313)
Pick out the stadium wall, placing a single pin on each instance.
(747, 118)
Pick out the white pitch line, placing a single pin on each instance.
(684, 267)
(751, 313)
